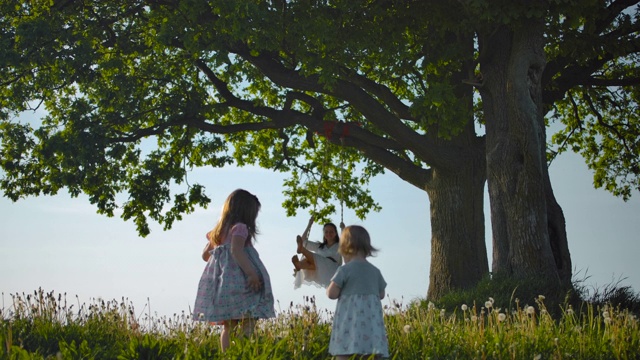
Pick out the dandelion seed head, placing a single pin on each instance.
(577, 328)
(569, 311)
(406, 329)
(531, 310)
(605, 314)
(541, 297)
(464, 307)
(502, 317)
(474, 318)
(488, 304)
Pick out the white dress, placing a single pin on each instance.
(327, 262)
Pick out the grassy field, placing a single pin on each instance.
(44, 325)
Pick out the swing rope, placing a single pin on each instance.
(341, 181)
(307, 230)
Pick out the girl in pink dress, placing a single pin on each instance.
(235, 289)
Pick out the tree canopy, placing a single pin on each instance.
(139, 92)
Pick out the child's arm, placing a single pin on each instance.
(305, 233)
(237, 251)
(205, 253)
(333, 291)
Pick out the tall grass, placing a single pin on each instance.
(43, 325)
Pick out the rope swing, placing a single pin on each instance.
(328, 129)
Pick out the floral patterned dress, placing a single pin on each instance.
(223, 291)
(358, 324)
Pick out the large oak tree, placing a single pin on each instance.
(137, 93)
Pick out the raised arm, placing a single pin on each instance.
(205, 253)
(307, 230)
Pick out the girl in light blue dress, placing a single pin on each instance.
(358, 323)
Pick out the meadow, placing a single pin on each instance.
(45, 325)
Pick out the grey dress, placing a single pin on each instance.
(358, 323)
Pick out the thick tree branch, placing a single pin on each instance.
(560, 75)
(377, 114)
(382, 92)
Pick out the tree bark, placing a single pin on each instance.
(458, 248)
(523, 208)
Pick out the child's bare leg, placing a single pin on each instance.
(296, 262)
(301, 247)
(303, 263)
(225, 336)
(308, 262)
(248, 325)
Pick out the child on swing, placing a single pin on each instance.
(319, 259)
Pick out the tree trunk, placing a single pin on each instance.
(522, 204)
(558, 235)
(458, 249)
(456, 196)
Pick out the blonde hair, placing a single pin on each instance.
(355, 239)
(241, 206)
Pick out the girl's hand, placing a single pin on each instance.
(254, 282)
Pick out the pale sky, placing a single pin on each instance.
(60, 244)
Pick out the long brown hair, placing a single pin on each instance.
(241, 206)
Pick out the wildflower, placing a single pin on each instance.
(406, 329)
(464, 307)
(501, 317)
(577, 328)
(569, 311)
(474, 318)
(488, 304)
(531, 310)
